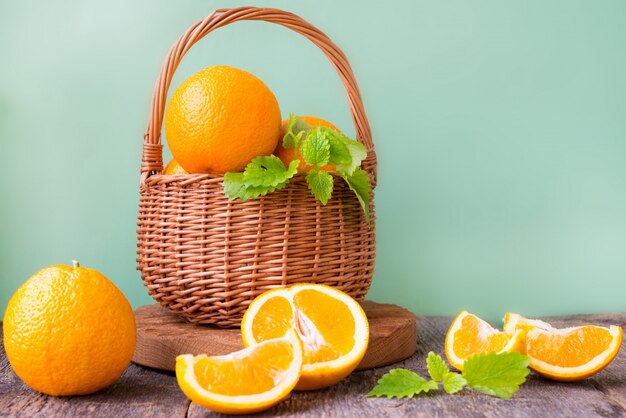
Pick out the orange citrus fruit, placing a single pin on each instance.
(567, 354)
(332, 326)
(243, 382)
(469, 335)
(69, 331)
(219, 119)
(173, 168)
(287, 154)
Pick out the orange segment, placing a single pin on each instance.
(469, 335)
(247, 381)
(274, 318)
(566, 354)
(331, 318)
(331, 325)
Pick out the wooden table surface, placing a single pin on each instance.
(152, 393)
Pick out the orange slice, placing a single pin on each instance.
(469, 335)
(566, 354)
(332, 326)
(243, 382)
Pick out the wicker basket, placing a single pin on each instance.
(205, 257)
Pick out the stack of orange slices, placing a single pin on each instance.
(565, 354)
(305, 337)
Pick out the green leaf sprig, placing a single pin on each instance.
(318, 147)
(494, 374)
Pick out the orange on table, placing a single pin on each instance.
(243, 382)
(566, 354)
(287, 154)
(219, 119)
(332, 326)
(69, 331)
(469, 335)
(173, 168)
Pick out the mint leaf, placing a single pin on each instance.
(268, 171)
(316, 148)
(359, 183)
(496, 374)
(453, 382)
(357, 151)
(339, 152)
(437, 368)
(439, 371)
(401, 383)
(296, 130)
(321, 184)
(235, 188)
(233, 185)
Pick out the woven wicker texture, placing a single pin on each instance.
(205, 257)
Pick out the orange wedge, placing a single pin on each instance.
(243, 382)
(469, 335)
(332, 326)
(566, 354)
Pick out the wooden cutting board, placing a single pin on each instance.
(161, 336)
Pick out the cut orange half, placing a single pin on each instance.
(469, 335)
(243, 382)
(332, 326)
(566, 354)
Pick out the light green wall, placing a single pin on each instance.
(500, 128)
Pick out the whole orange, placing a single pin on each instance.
(173, 168)
(287, 154)
(219, 119)
(69, 331)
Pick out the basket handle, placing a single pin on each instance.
(152, 159)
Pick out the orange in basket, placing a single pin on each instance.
(219, 119)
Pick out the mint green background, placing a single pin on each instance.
(500, 128)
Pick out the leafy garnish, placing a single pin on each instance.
(494, 374)
(268, 171)
(316, 148)
(359, 183)
(340, 155)
(453, 382)
(296, 130)
(262, 176)
(401, 383)
(321, 185)
(437, 368)
(357, 151)
(319, 149)
(439, 371)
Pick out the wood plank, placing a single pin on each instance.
(603, 395)
(161, 336)
(146, 392)
(140, 392)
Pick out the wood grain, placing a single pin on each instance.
(161, 336)
(146, 393)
